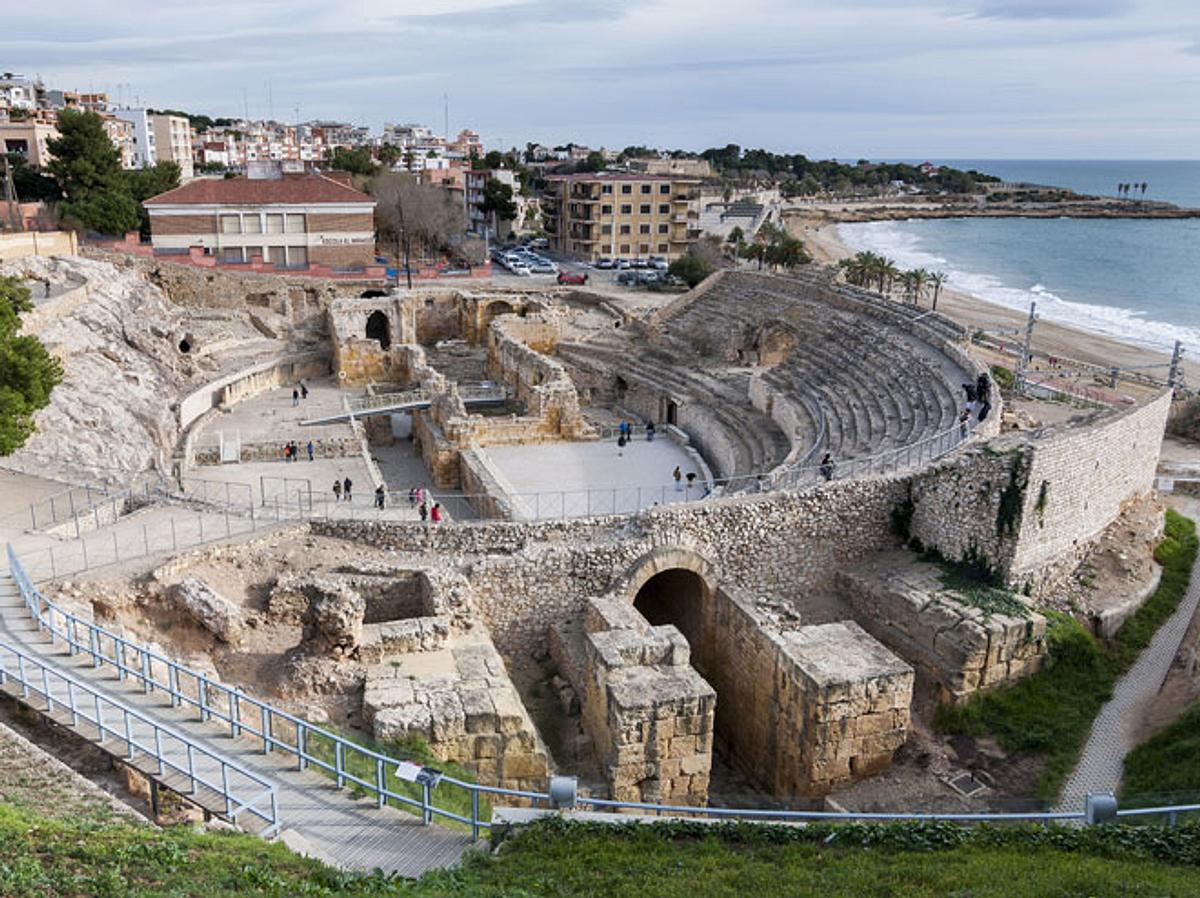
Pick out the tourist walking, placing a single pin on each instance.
(379, 496)
(621, 444)
(827, 467)
(964, 423)
(423, 512)
(287, 451)
(310, 448)
(337, 491)
(649, 431)
(303, 390)
(412, 497)
(678, 475)
(295, 398)
(435, 514)
(346, 485)
(295, 454)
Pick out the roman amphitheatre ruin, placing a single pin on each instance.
(773, 626)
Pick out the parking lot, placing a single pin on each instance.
(597, 277)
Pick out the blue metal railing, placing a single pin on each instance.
(280, 731)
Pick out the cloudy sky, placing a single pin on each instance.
(845, 78)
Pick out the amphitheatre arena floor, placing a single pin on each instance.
(548, 480)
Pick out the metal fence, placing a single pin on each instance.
(243, 791)
(345, 760)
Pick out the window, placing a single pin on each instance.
(252, 251)
(231, 224)
(625, 229)
(664, 209)
(646, 188)
(664, 229)
(274, 223)
(295, 223)
(297, 255)
(251, 224)
(276, 255)
(606, 188)
(606, 229)
(664, 189)
(644, 229)
(644, 208)
(662, 248)
(643, 248)
(626, 188)
(606, 210)
(232, 253)
(626, 209)
(624, 247)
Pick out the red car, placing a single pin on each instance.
(577, 278)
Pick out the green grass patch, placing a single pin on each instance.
(446, 796)
(53, 859)
(1050, 713)
(1167, 766)
(976, 591)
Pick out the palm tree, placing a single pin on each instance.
(936, 280)
(757, 251)
(916, 281)
(888, 274)
(1144, 186)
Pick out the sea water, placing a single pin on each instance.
(1137, 280)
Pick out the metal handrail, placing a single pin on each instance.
(230, 711)
(93, 713)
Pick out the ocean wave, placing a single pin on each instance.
(889, 238)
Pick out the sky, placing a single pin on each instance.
(879, 79)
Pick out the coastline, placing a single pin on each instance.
(823, 242)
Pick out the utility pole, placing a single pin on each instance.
(10, 197)
(1173, 376)
(446, 116)
(1023, 364)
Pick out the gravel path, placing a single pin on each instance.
(1116, 730)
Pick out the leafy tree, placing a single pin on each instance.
(87, 168)
(389, 154)
(736, 235)
(357, 161)
(28, 372)
(691, 268)
(147, 182)
(937, 280)
(31, 185)
(498, 200)
(593, 162)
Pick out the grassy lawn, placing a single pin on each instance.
(1050, 713)
(1167, 766)
(55, 859)
(450, 798)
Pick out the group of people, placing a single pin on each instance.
(341, 490)
(625, 434)
(679, 477)
(428, 509)
(300, 391)
(978, 403)
(291, 451)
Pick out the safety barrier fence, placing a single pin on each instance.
(242, 791)
(357, 766)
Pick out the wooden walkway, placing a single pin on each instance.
(315, 816)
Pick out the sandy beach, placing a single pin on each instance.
(823, 242)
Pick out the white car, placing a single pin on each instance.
(520, 269)
(543, 266)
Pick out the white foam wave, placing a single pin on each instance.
(889, 238)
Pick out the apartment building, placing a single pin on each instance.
(173, 142)
(27, 138)
(478, 221)
(621, 214)
(290, 220)
(144, 153)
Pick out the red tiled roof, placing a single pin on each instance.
(314, 188)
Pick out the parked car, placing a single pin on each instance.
(627, 279)
(519, 269)
(638, 263)
(575, 278)
(540, 243)
(604, 263)
(543, 266)
(658, 263)
(622, 264)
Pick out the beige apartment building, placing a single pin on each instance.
(27, 138)
(173, 142)
(290, 220)
(617, 214)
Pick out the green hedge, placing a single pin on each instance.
(1050, 713)
(1167, 766)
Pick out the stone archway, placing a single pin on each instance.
(676, 596)
(494, 310)
(379, 329)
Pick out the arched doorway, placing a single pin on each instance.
(677, 596)
(494, 310)
(379, 329)
(372, 294)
